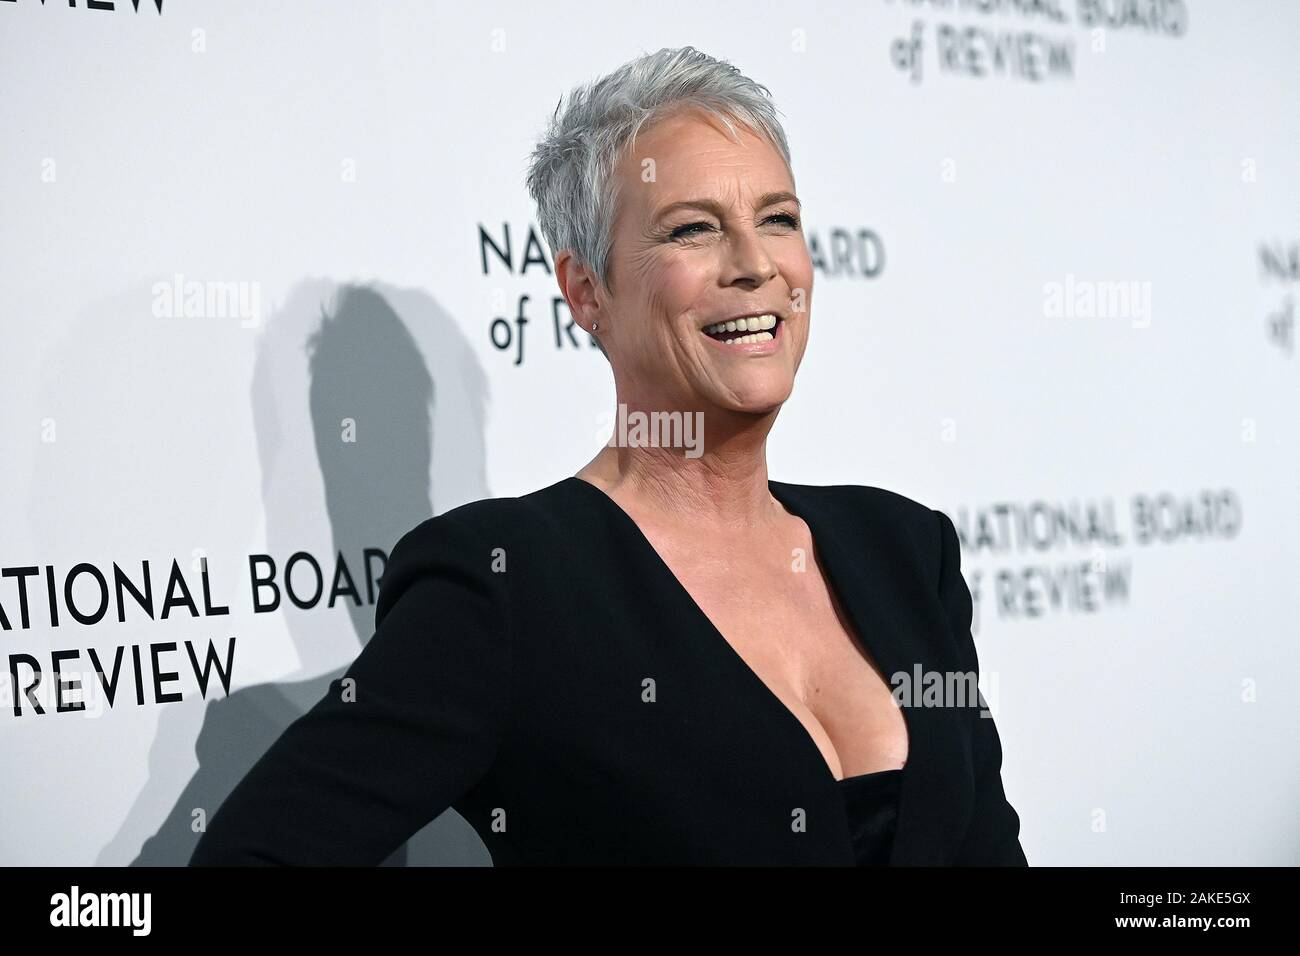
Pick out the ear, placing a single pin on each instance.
(580, 288)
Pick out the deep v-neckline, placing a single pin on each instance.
(834, 581)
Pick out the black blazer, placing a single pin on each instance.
(537, 666)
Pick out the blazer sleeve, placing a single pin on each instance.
(994, 835)
(411, 725)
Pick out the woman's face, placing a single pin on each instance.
(676, 270)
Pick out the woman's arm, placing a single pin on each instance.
(994, 835)
(413, 723)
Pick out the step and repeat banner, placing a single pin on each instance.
(273, 292)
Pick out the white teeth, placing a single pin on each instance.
(753, 323)
(752, 337)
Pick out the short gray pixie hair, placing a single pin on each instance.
(571, 171)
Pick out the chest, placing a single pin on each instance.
(777, 609)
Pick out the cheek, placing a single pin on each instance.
(655, 312)
(675, 291)
(798, 270)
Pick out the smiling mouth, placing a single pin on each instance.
(754, 328)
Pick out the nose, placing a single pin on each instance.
(749, 262)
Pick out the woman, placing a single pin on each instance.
(668, 657)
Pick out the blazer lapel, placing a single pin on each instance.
(903, 627)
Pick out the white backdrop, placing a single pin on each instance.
(1058, 265)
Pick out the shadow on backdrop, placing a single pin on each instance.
(390, 364)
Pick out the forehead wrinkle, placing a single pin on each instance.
(732, 151)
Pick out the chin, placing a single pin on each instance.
(758, 392)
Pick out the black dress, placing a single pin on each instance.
(537, 666)
(871, 805)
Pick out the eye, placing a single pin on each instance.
(689, 228)
(686, 229)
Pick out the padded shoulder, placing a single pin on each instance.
(903, 525)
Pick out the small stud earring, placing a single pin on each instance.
(595, 326)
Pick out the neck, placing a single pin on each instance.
(721, 483)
